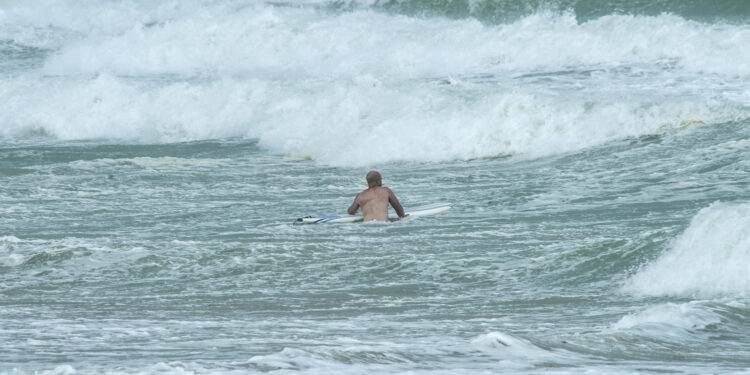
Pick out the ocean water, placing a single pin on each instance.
(154, 155)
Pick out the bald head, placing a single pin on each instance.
(373, 179)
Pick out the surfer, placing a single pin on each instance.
(374, 200)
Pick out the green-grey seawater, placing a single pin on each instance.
(184, 256)
(154, 158)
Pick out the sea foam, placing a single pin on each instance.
(363, 87)
(254, 39)
(668, 320)
(711, 258)
(341, 123)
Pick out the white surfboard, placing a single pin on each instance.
(429, 210)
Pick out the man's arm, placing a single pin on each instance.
(355, 205)
(395, 203)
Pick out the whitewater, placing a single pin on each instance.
(154, 155)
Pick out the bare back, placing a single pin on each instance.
(374, 203)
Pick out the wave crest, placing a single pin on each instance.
(711, 258)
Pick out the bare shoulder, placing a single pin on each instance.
(388, 193)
